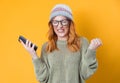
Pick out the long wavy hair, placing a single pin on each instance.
(73, 41)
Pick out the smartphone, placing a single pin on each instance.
(24, 41)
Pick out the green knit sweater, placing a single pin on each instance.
(64, 66)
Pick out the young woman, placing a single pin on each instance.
(65, 58)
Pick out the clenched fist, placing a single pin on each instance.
(95, 43)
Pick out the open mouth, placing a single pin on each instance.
(60, 30)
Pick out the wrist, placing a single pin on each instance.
(91, 48)
(34, 57)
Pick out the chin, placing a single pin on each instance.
(61, 35)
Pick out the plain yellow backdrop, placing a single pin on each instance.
(93, 18)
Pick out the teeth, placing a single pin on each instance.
(60, 30)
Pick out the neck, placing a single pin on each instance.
(63, 38)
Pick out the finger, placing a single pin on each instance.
(27, 43)
(30, 44)
(94, 42)
(22, 43)
(33, 46)
(100, 41)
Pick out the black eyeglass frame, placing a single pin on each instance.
(60, 22)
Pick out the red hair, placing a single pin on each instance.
(73, 41)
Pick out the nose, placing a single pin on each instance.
(59, 25)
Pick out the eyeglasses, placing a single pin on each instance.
(63, 22)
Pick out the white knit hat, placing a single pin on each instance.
(61, 9)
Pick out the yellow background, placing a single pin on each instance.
(93, 18)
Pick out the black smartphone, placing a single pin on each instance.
(24, 41)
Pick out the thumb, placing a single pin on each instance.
(22, 43)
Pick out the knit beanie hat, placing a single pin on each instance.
(61, 9)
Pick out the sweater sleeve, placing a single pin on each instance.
(41, 66)
(89, 63)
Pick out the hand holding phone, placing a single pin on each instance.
(24, 41)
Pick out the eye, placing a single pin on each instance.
(65, 22)
(54, 22)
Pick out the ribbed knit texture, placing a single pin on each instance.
(64, 66)
(61, 9)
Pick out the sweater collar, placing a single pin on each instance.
(63, 42)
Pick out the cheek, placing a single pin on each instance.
(67, 30)
(55, 30)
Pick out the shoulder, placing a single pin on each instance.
(44, 45)
(83, 40)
